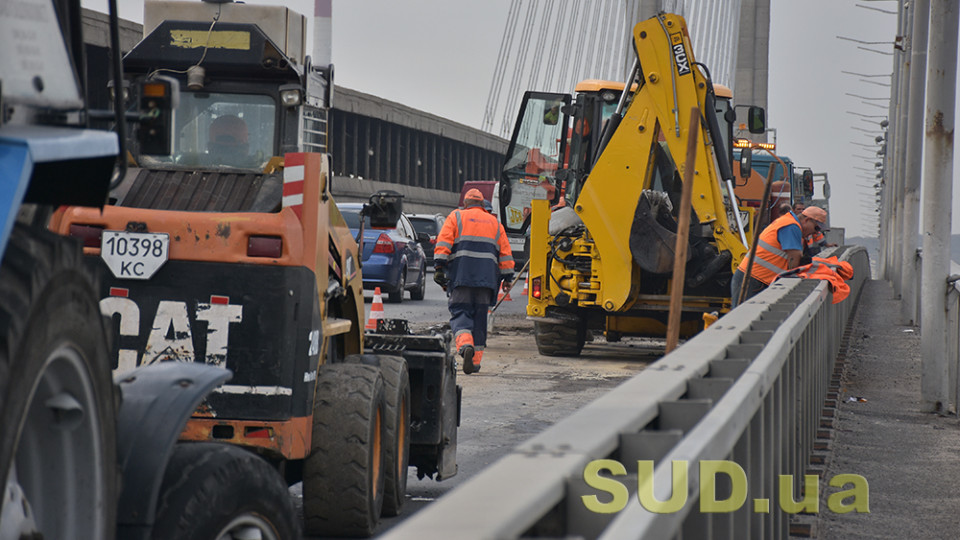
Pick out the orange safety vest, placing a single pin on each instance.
(473, 246)
(831, 269)
(770, 260)
(817, 239)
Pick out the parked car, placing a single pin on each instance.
(431, 225)
(392, 258)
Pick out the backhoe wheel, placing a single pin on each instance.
(396, 385)
(213, 490)
(57, 409)
(343, 478)
(560, 339)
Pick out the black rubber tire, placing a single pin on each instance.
(53, 343)
(396, 386)
(396, 295)
(560, 339)
(343, 480)
(207, 486)
(418, 292)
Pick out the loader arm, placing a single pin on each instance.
(651, 138)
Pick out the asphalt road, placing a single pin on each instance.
(518, 393)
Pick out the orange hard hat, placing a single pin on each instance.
(815, 213)
(229, 130)
(473, 194)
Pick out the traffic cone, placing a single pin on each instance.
(376, 310)
(526, 282)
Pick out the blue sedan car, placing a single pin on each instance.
(392, 258)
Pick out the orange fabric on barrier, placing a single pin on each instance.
(831, 269)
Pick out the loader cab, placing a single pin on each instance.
(550, 155)
(239, 106)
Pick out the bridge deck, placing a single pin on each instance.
(909, 458)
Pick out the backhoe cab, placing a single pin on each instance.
(611, 168)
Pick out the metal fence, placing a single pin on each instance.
(747, 391)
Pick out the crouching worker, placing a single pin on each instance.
(472, 257)
(778, 249)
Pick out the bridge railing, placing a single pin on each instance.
(953, 329)
(746, 393)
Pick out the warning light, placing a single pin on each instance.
(745, 143)
(535, 288)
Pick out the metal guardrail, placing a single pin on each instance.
(747, 390)
(952, 327)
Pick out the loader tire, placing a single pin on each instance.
(343, 477)
(560, 339)
(57, 400)
(213, 490)
(396, 389)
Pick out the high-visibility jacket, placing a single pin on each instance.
(831, 269)
(473, 249)
(815, 242)
(770, 259)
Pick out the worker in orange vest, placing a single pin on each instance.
(779, 249)
(472, 258)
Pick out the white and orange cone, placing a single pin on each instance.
(526, 282)
(376, 310)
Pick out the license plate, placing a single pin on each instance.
(133, 255)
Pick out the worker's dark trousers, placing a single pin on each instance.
(468, 309)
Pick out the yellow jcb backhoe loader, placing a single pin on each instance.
(598, 194)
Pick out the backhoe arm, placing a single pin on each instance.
(641, 154)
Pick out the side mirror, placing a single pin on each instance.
(746, 162)
(384, 208)
(423, 237)
(756, 120)
(807, 182)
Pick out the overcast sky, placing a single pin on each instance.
(439, 56)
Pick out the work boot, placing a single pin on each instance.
(467, 353)
(477, 357)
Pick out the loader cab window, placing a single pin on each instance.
(595, 109)
(533, 158)
(726, 118)
(235, 131)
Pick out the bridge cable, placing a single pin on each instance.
(574, 70)
(519, 66)
(568, 51)
(555, 50)
(586, 70)
(496, 82)
(534, 80)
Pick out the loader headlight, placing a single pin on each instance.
(290, 97)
